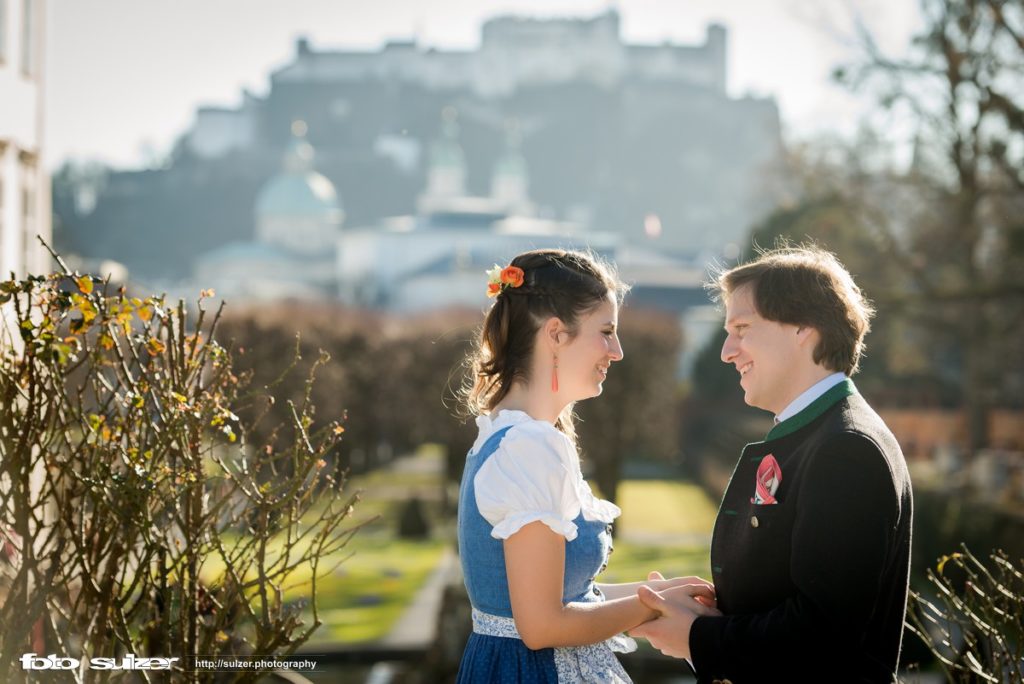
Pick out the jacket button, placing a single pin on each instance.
(754, 522)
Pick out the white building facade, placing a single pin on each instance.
(24, 183)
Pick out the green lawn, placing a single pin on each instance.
(383, 491)
(365, 596)
(664, 508)
(362, 599)
(665, 526)
(631, 562)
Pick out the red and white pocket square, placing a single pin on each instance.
(769, 477)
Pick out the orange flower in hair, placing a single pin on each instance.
(512, 276)
(499, 278)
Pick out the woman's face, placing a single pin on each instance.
(584, 361)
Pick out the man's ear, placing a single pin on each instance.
(806, 335)
(555, 333)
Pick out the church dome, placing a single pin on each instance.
(308, 194)
(297, 190)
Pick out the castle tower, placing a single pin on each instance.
(510, 182)
(446, 176)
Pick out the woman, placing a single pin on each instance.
(532, 536)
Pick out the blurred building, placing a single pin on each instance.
(515, 53)
(436, 257)
(298, 222)
(24, 184)
(641, 141)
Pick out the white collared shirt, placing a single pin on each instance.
(808, 397)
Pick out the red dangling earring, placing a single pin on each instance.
(554, 376)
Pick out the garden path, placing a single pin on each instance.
(417, 627)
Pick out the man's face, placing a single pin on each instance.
(767, 354)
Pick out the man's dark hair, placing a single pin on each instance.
(806, 286)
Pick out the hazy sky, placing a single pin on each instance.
(125, 76)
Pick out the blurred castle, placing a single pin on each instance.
(515, 54)
(24, 183)
(638, 141)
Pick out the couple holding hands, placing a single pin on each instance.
(811, 548)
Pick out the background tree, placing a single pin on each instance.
(637, 415)
(394, 377)
(953, 223)
(397, 379)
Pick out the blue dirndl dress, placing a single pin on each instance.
(540, 472)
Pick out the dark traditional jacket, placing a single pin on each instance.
(813, 587)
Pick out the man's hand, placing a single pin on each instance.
(677, 608)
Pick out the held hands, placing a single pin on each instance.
(658, 583)
(681, 601)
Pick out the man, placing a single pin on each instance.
(811, 548)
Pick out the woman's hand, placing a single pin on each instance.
(706, 596)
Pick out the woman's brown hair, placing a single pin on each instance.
(556, 283)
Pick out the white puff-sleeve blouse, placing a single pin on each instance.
(533, 475)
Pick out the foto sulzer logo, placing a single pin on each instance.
(32, 661)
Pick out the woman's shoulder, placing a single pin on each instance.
(520, 431)
(532, 427)
(542, 439)
(529, 476)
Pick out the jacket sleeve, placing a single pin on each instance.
(847, 512)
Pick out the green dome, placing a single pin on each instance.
(298, 194)
(297, 190)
